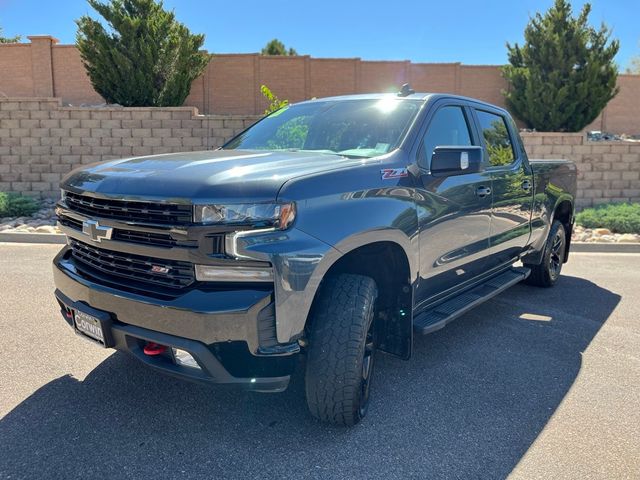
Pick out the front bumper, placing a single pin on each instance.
(222, 329)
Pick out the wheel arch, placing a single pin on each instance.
(389, 264)
(564, 213)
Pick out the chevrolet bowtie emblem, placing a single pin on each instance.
(95, 231)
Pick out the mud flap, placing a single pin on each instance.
(395, 327)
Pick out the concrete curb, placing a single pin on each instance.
(581, 247)
(28, 237)
(577, 247)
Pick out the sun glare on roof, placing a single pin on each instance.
(387, 105)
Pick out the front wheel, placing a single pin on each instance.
(546, 274)
(341, 351)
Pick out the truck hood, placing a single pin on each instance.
(236, 175)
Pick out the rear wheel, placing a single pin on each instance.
(546, 274)
(341, 353)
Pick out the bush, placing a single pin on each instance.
(275, 103)
(564, 74)
(617, 217)
(15, 205)
(145, 57)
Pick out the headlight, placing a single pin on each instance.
(278, 215)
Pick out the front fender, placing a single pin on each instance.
(300, 262)
(338, 212)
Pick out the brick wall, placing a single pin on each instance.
(231, 83)
(40, 141)
(607, 171)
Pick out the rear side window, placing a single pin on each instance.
(448, 127)
(496, 136)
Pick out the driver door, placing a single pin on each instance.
(454, 212)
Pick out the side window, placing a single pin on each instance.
(448, 127)
(496, 136)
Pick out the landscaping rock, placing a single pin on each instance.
(42, 221)
(628, 238)
(602, 235)
(46, 229)
(606, 239)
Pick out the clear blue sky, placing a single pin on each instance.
(467, 31)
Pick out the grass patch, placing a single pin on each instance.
(617, 217)
(16, 205)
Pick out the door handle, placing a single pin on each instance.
(526, 185)
(483, 191)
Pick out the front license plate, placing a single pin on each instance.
(88, 325)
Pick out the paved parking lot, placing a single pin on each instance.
(533, 384)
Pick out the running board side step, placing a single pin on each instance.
(437, 317)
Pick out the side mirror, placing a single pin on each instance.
(454, 160)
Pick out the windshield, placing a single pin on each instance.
(352, 128)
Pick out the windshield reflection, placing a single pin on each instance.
(361, 128)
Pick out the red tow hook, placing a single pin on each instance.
(152, 349)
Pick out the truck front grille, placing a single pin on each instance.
(107, 266)
(134, 211)
(134, 236)
(145, 238)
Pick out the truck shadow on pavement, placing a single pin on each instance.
(468, 404)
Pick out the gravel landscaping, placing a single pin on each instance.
(43, 221)
(602, 235)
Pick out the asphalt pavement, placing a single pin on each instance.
(536, 383)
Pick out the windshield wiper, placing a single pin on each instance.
(325, 151)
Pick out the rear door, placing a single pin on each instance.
(512, 182)
(454, 212)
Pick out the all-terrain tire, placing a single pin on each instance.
(546, 274)
(341, 349)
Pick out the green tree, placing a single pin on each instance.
(564, 74)
(498, 144)
(276, 47)
(9, 39)
(145, 57)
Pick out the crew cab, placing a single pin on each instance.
(335, 228)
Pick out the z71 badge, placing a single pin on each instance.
(389, 173)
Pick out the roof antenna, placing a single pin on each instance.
(406, 90)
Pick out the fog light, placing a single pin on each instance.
(184, 358)
(211, 273)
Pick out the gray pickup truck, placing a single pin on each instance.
(334, 228)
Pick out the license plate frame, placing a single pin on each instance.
(93, 325)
